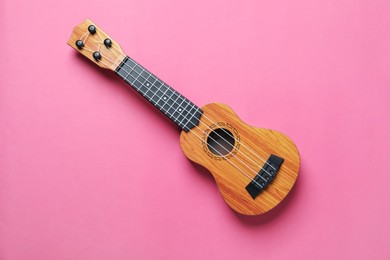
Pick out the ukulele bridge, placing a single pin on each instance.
(265, 176)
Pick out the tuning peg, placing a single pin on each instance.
(107, 42)
(79, 44)
(92, 29)
(97, 56)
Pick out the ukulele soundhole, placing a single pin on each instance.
(220, 141)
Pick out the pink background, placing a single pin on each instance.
(89, 170)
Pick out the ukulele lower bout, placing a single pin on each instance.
(254, 168)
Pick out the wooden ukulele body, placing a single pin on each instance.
(235, 170)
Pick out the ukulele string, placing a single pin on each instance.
(229, 161)
(175, 118)
(197, 126)
(218, 143)
(212, 122)
(86, 36)
(248, 149)
(223, 147)
(174, 102)
(226, 132)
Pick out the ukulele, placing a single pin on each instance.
(254, 168)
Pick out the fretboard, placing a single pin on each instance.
(174, 105)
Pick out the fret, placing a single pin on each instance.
(151, 89)
(167, 112)
(155, 96)
(126, 64)
(190, 118)
(130, 71)
(140, 78)
(184, 112)
(174, 105)
(138, 69)
(181, 123)
(158, 83)
(131, 64)
(187, 118)
(173, 101)
(122, 73)
(133, 74)
(137, 84)
(177, 113)
(167, 99)
(144, 74)
(159, 103)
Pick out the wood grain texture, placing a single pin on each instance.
(111, 57)
(230, 180)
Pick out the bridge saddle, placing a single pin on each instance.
(265, 176)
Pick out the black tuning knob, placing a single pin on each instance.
(108, 42)
(97, 56)
(79, 44)
(92, 29)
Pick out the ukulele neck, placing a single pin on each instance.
(175, 106)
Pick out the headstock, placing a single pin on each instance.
(96, 45)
